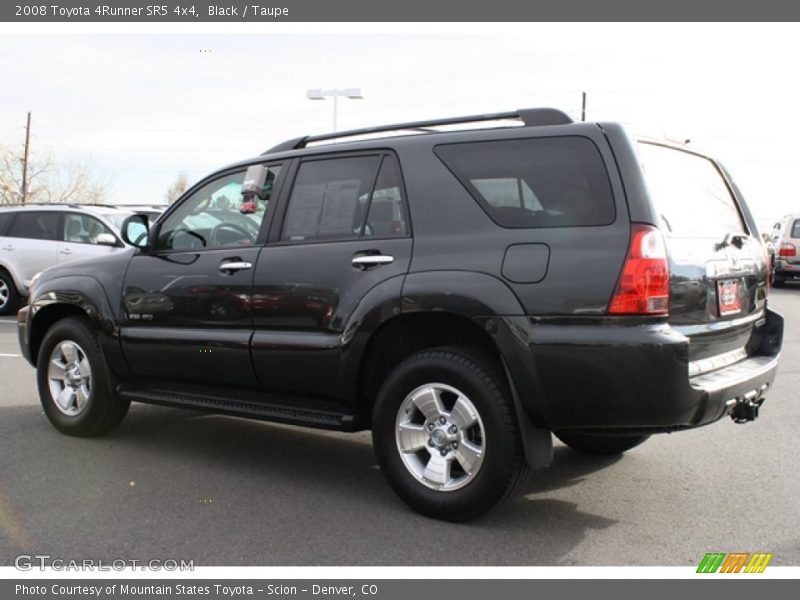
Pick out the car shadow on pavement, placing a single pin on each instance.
(568, 468)
(229, 491)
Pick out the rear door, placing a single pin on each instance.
(345, 230)
(718, 264)
(31, 243)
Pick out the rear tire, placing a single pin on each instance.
(74, 385)
(778, 282)
(602, 445)
(446, 435)
(9, 296)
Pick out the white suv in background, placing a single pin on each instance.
(36, 236)
(785, 242)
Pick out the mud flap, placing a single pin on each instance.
(537, 442)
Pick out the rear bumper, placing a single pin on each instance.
(629, 377)
(786, 269)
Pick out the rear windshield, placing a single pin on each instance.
(689, 192)
(542, 182)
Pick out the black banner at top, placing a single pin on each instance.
(261, 11)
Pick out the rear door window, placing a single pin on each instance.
(5, 221)
(689, 192)
(386, 216)
(36, 226)
(329, 199)
(795, 229)
(541, 182)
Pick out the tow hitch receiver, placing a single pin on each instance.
(745, 409)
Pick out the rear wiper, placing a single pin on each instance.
(734, 238)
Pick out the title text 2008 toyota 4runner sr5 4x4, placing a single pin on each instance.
(463, 294)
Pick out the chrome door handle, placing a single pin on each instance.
(372, 260)
(239, 265)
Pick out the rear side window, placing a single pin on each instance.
(5, 220)
(689, 193)
(35, 226)
(795, 229)
(386, 216)
(330, 198)
(543, 182)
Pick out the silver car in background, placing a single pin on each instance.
(785, 242)
(34, 237)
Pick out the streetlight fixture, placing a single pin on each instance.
(318, 94)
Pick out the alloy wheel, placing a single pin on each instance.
(440, 437)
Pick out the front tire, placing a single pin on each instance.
(74, 387)
(446, 436)
(9, 296)
(602, 445)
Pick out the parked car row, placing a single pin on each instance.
(34, 237)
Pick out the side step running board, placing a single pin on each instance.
(281, 413)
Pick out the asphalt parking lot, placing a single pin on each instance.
(223, 491)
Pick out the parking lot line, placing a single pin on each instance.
(10, 355)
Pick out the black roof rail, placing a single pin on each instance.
(530, 117)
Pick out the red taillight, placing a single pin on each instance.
(787, 249)
(643, 287)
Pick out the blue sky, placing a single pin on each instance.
(144, 107)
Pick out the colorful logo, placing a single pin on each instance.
(735, 562)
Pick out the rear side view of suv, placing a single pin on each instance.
(462, 294)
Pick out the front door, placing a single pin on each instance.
(188, 298)
(81, 236)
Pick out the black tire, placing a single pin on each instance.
(104, 409)
(778, 282)
(9, 296)
(503, 469)
(600, 444)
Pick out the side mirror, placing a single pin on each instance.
(105, 239)
(134, 230)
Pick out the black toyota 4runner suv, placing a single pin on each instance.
(463, 294)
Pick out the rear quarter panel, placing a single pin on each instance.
(452, 231)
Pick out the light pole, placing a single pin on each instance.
(352, 93)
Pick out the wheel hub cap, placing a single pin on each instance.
(440, 437)
(69, 377)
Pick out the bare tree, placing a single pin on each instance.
(48, 180)
(175, 191)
